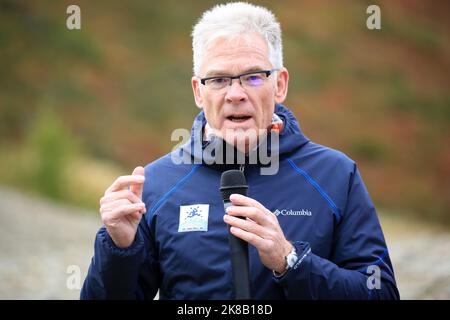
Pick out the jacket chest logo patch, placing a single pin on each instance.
(290, 212)
(194, 218)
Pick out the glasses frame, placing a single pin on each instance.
(266, 72)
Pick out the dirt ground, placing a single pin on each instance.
(44, 244)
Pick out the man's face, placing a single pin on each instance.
(236, 112)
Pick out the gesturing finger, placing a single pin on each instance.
(128, 209)
(122, 194)
(124, 181)
(137, 188)
(110, 206)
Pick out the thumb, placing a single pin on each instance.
(137, 188)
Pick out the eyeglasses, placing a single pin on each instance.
(248, 79)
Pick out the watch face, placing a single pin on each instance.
(291, 259)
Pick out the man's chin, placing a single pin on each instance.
(243, 140)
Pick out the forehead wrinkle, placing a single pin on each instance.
(220, 72)
(237, 55)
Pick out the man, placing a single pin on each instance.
(312, 229)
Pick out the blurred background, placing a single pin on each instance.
(80, 107)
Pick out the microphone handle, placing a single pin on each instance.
(239, 263)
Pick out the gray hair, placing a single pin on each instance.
(236, 18)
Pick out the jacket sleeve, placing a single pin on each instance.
(116, 273)
(359, 266)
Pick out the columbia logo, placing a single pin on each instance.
(291, 212)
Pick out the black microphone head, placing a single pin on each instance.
(233, 181)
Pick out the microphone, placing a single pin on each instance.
(233, 181)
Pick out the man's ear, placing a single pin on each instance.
(195, 81)
(281, 85)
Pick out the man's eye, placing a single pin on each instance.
(254, 79)
(218, 80)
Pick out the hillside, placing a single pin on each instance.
(113, 91)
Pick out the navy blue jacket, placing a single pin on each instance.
(322, 206)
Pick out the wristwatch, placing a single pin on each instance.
(291, 259)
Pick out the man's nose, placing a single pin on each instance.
(235, 92)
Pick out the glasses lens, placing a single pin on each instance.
(217, 83)
(254, 80)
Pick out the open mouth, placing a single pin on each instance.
(238, 118)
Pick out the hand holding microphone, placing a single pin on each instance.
(260, 228)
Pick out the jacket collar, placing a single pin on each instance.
(198, 150)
